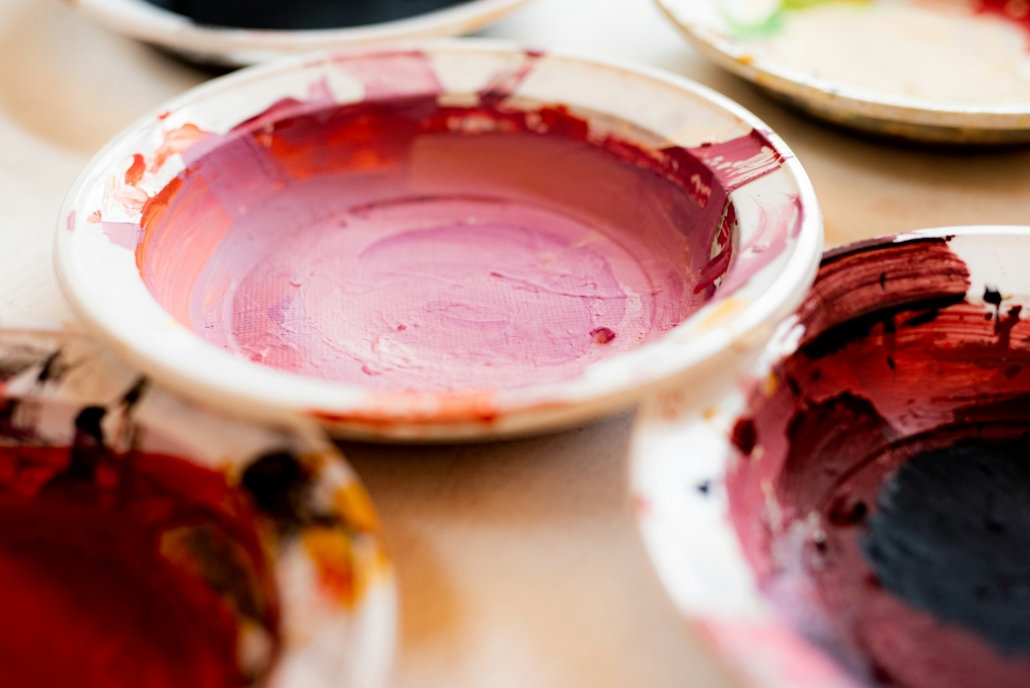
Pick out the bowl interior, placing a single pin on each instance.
(368, 235)
(881, 488)
(405, 245)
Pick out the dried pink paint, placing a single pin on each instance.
(404, 245)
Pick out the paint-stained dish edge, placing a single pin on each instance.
(680, 450)
(232, 47)
(717, 334)
(853, 107)
(333, 635)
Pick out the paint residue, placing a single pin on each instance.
(847, 497)
(127, 570)
(1016, 11)
(941, 51)
(405, 245)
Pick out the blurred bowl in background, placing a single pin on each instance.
(236, 33)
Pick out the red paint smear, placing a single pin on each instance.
(176, 142)
(893, 362)
(103, 562)
(134, 174)
(741, 160)
(1016, 11)
(505, 83)
(71, 221)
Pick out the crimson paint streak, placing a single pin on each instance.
(124, 571)
(407, 245)
(894, 364)
(1016, 11)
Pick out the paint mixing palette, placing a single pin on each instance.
(453, 240)
(149, 543)
(854, 514)
(954, 71)
(201, 31)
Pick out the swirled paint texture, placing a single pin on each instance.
(401, 243)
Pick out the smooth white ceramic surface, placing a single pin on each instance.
(777, 245)
(233, 47)
(331, 637)
(681, 451)
(933, 71)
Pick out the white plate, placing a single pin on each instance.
(234, 47)
(683, 449)
(335, 586)
(776, 242)
(929, 70)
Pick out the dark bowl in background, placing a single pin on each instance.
(297, 15)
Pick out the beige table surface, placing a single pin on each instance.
(519, 563)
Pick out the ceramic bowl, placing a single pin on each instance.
(658, 199)
(948, 71)
(232, 47)
(765, 513)
(267, 531)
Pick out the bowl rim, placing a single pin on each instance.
(521, 410)
(841, 96)
(234, 46)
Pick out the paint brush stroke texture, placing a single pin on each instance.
(132, 570)
(896, 368)
(399, 243)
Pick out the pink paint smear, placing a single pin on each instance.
(404, 245)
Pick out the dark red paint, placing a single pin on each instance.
(894, 363)
(119, 571)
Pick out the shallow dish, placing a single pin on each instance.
(153, 543)
(232, 47)
(457, 240)
(846, 517)
(945, 71)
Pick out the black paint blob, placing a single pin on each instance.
(279, 485)
(299, 14)
(951, 536)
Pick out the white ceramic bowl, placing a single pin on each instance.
(927, 71)
(232, 47)
(735, 555)
(327, 564)
(775, 242)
